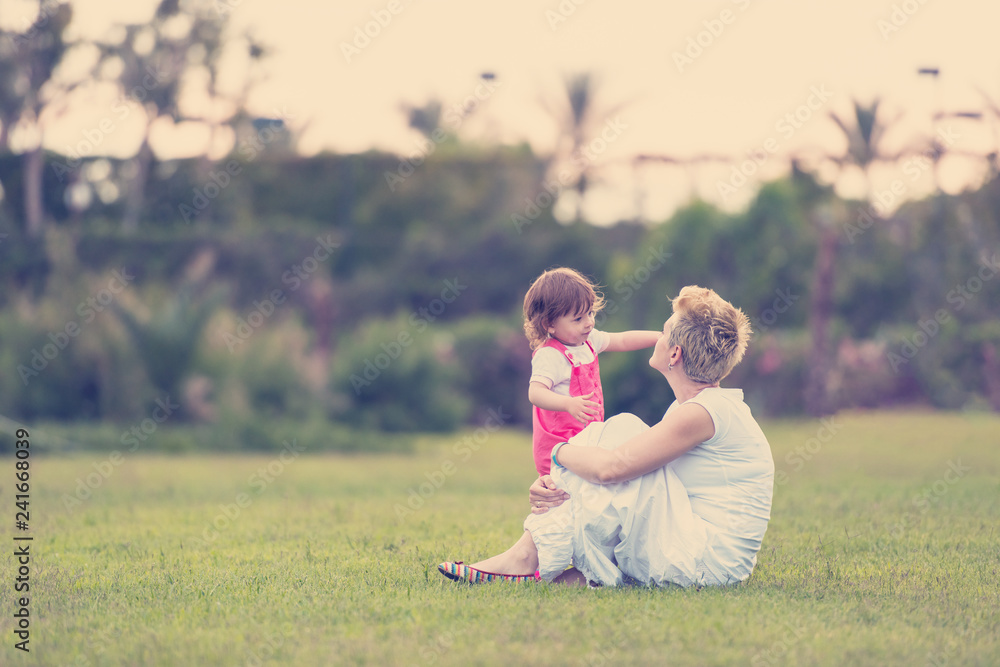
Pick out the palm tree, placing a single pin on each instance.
(167, 341)
(864, 133)
(578, 119)
(424, 119)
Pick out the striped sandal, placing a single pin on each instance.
(458, 571)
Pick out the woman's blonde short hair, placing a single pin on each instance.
(712, 333)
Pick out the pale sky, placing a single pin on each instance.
(766, 59)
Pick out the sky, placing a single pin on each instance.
(733, 78)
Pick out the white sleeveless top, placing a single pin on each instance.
(729, 480)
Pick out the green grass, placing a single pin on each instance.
(876, 554)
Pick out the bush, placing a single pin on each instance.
(947, 365)
(400, 375)
(43, 380)
(269, 373)
(258, 434)
(773, 372)
(232, 434)
(496, 363)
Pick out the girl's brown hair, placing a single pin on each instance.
(555, 293)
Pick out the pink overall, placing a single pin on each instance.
(550, 427)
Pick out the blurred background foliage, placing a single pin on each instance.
(335, 300)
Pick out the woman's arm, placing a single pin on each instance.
(680, 431)
(629, 341)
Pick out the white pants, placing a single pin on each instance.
(643, 528)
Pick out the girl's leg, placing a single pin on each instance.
(522, 558)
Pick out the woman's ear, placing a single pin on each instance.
(676, 355)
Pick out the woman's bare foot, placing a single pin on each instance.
(522, 558)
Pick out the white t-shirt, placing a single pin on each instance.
(550, 367)
(729, 479)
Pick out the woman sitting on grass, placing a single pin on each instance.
(683, 502)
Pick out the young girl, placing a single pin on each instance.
(565, 383)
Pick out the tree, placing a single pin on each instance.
(578, 120)
(153, 59)
(167, 340)
(29, 60)
(863, 132)
(157, 61)
(424, 119)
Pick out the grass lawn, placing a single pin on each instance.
(882, 549)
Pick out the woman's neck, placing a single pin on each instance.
(691, 389)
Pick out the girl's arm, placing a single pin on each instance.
(680, 431)
(628, 341)
(580, 407)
